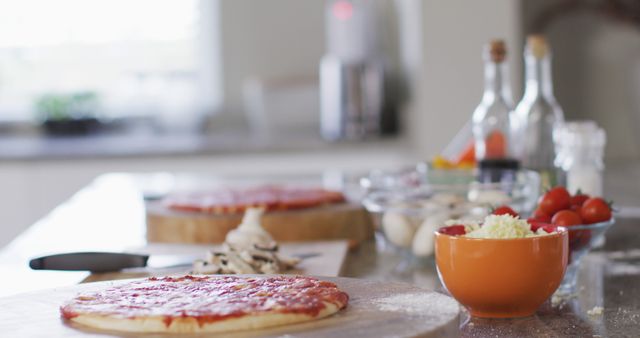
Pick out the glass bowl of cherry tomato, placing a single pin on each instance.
(587, 219)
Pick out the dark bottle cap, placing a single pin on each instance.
(499, 163)
(495, 170)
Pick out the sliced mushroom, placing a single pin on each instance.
(270, 268)
(288, 262)
(204, 267)
(238, 265)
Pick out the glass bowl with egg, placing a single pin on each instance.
(408, 205)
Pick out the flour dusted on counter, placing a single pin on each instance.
(416, 303)
(248, 249)
(596, 311)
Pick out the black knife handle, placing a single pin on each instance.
(89, 261)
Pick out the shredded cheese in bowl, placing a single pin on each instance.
(503, 227)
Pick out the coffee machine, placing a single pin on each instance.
(354, 104)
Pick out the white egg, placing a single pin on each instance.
(478, 212)
(398, 228)
(430, 205)
(447, 199)
(423, 240)
(491, 197)
(472, 218)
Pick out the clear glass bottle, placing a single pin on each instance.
(580, 156)
(491, 119)
(538, 113)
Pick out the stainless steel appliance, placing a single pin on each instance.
(352, 73)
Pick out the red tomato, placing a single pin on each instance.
(595, 210)
(569, 218)
(554, 200)
(541, 216)
(535, 224)
(504, 210)
(453, 230)
(549, 228)
(566, 218)
(579, 199)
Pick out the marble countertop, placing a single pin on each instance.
(608, 277)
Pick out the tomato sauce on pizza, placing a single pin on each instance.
(231, 201)
(208, 299)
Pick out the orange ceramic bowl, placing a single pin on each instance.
(502, 278)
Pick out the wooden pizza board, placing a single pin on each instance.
(376, 309)
(337, 221)
(327, 261)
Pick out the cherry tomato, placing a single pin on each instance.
(579, 199)
(549, 228)
(453, 230)
(541, 216)
(554, 200)
(535, 224)
(595, 210)
(504, 210)
(569, 218)
(566, 218)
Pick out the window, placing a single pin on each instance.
(137, 58)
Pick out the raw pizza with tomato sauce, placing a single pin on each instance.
(233, 201)
(191, 304)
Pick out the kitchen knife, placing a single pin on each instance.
(116, 261)
(107, 261)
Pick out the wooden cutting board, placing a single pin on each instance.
(330, 222)
(376, 309)
(327, 260)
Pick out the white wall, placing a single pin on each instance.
(449, 79)
(596, 68)
(269, 39)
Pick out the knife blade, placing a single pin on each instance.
(116, 261)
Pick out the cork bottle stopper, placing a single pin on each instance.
(537, 45)
(497, 50)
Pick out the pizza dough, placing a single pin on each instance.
(235, 201)
(189, 304)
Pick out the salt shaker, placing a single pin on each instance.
(580, 156)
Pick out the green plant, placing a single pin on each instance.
(58, 107)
